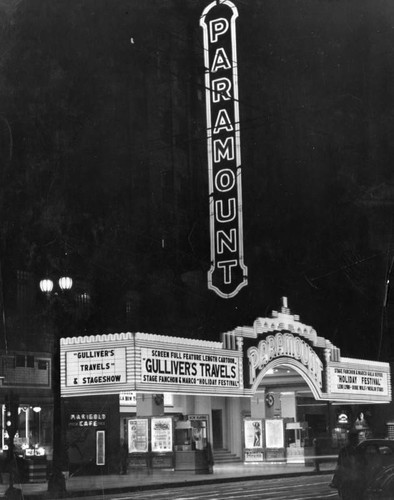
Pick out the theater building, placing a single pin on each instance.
(273, 391)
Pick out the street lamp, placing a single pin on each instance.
(46, 285)
(65, 283)
(56, 482)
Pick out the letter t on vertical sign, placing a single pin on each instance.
(228, 273)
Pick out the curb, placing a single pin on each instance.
(175, 484)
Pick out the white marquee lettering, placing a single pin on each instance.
(221, 88)
(217, 28)
(288, 345)
(220, 61)
(228, 273)
(271, 347)
(298, 348)
(279, 344)
(225, 180)
(305, 354)
(227, 265)
(230, 213)
(223, 150)
(222, 122)
(226, 240)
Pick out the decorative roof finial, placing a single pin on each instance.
(285, 309)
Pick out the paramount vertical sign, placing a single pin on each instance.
(227, 274)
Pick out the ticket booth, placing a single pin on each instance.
(298, 449)
(191, 444)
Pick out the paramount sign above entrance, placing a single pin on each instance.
(285, 345)
(227, 274)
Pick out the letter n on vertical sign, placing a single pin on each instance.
(100, 448)
(228, 273)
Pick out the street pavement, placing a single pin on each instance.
(142, 479)
(313, 487)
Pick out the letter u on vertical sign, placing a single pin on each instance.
(228, 273)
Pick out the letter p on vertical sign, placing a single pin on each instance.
(217, 27)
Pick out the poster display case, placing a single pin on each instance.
(253, 440)
(161, 428)
(138, 442)
(138, 435)
(150, 442)
(162, 442)
(274, 439)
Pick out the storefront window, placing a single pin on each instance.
(33, 424)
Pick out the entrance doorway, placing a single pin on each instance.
(217, 429)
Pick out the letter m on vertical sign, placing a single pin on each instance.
(228, 273)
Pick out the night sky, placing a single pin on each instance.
(103, 99)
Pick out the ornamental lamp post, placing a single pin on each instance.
(56, 482)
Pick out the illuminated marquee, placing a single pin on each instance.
(178, 367)
(356, 380)
(288, 345)
(227, 274)
(96, 366)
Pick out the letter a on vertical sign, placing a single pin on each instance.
(228, 273)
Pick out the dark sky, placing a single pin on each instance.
(94, 126)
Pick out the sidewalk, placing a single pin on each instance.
(137, 479)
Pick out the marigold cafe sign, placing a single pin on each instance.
(96, 367)
(227, 274)
(87, 420)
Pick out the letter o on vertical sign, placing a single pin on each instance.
(225, 180)
(228, 274)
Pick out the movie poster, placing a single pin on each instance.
(161, 434)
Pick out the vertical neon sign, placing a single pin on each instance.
(228, 273)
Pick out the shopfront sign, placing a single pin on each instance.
(227, 274)
(76, 419)
(96, 367)
(167, 367)
(358, 381)
(128, 398)
(284, 345)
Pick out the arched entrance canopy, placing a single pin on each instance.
(296, 366)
